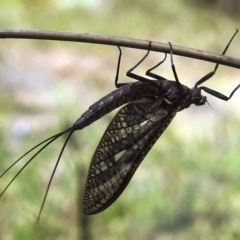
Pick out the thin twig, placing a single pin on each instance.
(119, 41)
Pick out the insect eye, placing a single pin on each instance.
(200, 100)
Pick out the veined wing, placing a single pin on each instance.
(125, 143)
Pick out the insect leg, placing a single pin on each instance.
(173, 67)
(218, 94)
(209, 75)
(135, 76)
(153, 75)
(118, 67)
(129, 72)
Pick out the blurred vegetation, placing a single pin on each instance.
(188, 185)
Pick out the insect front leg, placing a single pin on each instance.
(218, 94)
(209, 75)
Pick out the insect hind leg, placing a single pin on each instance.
(133, 75)
(118, 67)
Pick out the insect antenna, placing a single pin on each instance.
(209, 104)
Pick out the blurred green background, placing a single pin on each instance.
(188, 186)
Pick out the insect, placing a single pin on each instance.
(149, 107)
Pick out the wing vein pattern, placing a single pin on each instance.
(125, 143)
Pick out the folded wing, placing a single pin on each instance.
(125, 143)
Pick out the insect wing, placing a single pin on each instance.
(125, 143)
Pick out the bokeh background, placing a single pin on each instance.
(188, 186)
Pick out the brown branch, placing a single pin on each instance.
(119, 41)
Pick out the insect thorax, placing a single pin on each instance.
(181, 97)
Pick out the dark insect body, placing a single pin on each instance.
(149, 107)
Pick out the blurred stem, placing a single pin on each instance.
(118, 41)
(84, 224)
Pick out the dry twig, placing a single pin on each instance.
(119, 41)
